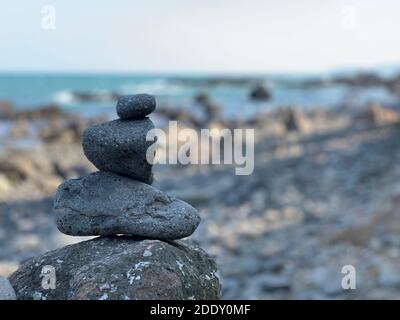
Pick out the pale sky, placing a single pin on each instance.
(201, 36)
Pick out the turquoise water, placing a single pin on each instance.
(34, 90)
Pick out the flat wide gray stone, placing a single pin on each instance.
(120, 146)
(135, 106)
(121, 268)
(104, 203)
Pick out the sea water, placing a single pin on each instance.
(171, 90)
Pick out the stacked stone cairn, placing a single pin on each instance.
(137, 255)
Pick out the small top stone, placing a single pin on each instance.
(136, 106)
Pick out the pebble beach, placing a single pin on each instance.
(324, 194)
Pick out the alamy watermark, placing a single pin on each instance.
(48, 275)
(209, 146)
(349, 280)
(48, 21)
(348, 18)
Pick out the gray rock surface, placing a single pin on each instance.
(121, 268)
(135, 106)
(6, 290)
(120, 146)
(104, 203)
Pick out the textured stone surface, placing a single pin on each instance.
(104, 203)
(135, 106)
(120, 146)
(6, 290)
(122, 268)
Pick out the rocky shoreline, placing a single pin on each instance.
(323, 194)
(118, 205)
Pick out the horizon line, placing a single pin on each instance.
(144, 72)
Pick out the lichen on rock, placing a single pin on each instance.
(121, 268)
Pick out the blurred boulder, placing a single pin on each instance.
(362, 79)
(23, 166)
(50, 111)
(260, 93)
(210, 108)
(16, 169)
(383, 221)
(394, 85)
(7, 110)
(121, 268)
(7, 267)
(70, 130)
(376, 114)
(62, 131)
(177, 114)
(295, 120)
(201, 97)
(95, 96)
(19, 129)
(5, 184)
(68, 171)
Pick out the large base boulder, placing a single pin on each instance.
(120, 268)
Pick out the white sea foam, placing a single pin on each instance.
(157, 87)
(64, 97)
